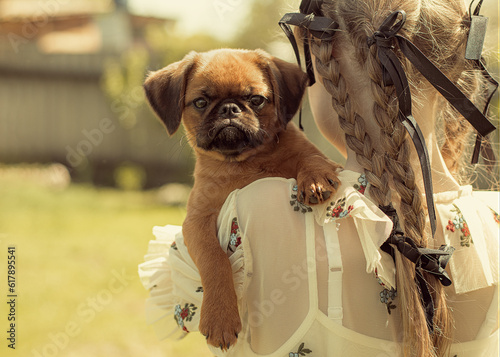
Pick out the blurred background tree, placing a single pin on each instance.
(261, 27)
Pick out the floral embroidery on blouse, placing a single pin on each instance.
(234, 238)
(459, 223)
(387, 296)
(184, 314)
(337, 209)
(298, 206)
(174, 246)
(300, 352)
(363, 182)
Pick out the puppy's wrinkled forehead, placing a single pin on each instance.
(225, 74)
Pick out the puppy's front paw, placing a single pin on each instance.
(220, 321)
(317, 181)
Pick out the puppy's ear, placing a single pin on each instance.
(289, 84)
(165, 90)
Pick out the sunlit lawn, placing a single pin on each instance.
(77, 254)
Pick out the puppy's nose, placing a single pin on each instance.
(229, 110)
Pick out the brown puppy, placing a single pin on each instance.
(236, 106)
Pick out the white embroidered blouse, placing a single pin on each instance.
(313, 281)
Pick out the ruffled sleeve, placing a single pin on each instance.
(372, 225)
(471, 227)
(173, 280)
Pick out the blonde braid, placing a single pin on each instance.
(351, 123)
(397, 148)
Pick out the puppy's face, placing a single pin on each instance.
(232, 102)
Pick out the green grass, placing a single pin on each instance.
(70, 244)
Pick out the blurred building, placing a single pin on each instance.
(52, 104)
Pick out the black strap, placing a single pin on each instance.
(432, 261)
(477, 10)
(320, 27)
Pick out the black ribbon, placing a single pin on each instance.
(311, 19)
(384, 39)
(319, 26)
(447, 88)
(432, 261)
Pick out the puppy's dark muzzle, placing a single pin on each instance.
(228, 137)
(228, 131)
(229, 111)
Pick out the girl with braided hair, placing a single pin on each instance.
(402, 260)
(366, 110)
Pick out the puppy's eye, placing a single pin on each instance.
(257, 100)
(200, 103)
